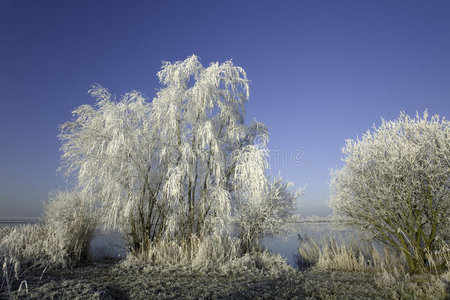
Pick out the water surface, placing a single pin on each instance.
(287, 245)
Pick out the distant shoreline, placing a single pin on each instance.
(298, 221)
(18, 220)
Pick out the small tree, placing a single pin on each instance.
(108, 147)
(395, 185)
(260, 206)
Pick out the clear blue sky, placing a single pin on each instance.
(320, 71)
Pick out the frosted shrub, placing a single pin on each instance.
(70, 218)
(395, 185)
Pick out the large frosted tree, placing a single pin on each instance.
(167, 169)
(395, 185)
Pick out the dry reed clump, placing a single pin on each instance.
(25, 248)
(62, 238)
(10, 267)
(200, 254)
(4, 231)
(72, 219)
(334, 253)
(33, 246)
(217, 253)
(415, 286)
(263, 262)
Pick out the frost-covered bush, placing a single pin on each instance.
(166, 173)
(395, 185)
(71, 219)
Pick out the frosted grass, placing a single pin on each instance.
(287, 245)
(111, 244)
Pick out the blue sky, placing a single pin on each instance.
(320, 72)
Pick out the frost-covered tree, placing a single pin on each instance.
(108, 148)
(395, 185)
(166, 169)
(262, 206)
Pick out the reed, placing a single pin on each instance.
(389, 267)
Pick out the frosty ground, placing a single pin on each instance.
(115, 280)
